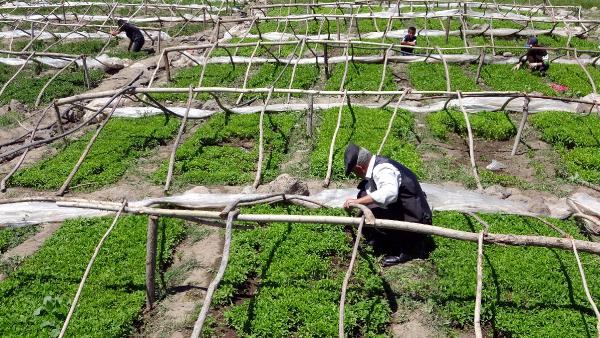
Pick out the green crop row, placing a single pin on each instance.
(36, 296)
(574, 78)
(224, 150)
(298, 271)
(576, 138)
(365, 127)
(488, 125)
(361, 76)
(425, 76)
(527, 291)
(122, 141)
(11, 237)
(502, 78)
(27, 86)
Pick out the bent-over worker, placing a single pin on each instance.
(393, 192)
(136, 38)
(536, 57)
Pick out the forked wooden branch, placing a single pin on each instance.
(215, 282)
(88, 269)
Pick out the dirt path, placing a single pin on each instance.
(189, 276)
(29, 246)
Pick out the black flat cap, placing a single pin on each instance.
(350, 157)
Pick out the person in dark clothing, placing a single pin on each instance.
(393, 192)
(136, 38)
(410, 40)
(536, 57)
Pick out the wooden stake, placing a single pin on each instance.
(389, 128)
(41, 93)
(177, 140)
(521, 125)
(88, 269)
(261, 140)
(341, 333)
(481, 61)
(215, 282)
(586, 288)
(86, 151)
(471, 146)
(59, 121)
(247, 72)
(86, 72)
(151, 243)
(446, 71)
(309, 117)
(31, 138)
(333, 139)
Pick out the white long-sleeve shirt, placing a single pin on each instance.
(387, 180)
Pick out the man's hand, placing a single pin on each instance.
(350, 201)
(517, 66)
(114, 33)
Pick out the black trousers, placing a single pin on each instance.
(395, 242)
(137, 45)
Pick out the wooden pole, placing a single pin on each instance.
(341, 315)
(521, 125)
(481, 61)
(177, 140)
(239, 100)
(41, 93)
(502, 239)
(59, 121)
(215, 282)
(587, 73)
(88, 269)
(86, 151)
(86, 72)
(151, 243)
(479, 288)
(471, 146)
(309, 118)
(333, 139)
(31, 138)
(389, 128)
(446, 71)
(261, 140)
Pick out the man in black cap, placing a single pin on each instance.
(391, 191)
(536, 57)
(136, 38)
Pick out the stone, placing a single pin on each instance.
(495, 166)
(284, 184)
(198, 190)
(498, 191)
(585, 108)
(538, 206)
(593, 9)
(16, 106)
(507, 54)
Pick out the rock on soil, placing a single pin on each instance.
(284, 184)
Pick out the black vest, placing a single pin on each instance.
(411, 205)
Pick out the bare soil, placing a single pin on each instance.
(175, 315)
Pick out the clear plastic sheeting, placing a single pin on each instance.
(103, 62)
(441, 198)
(471, 105)
(73, 17)
(42, 35)
(25, 213)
